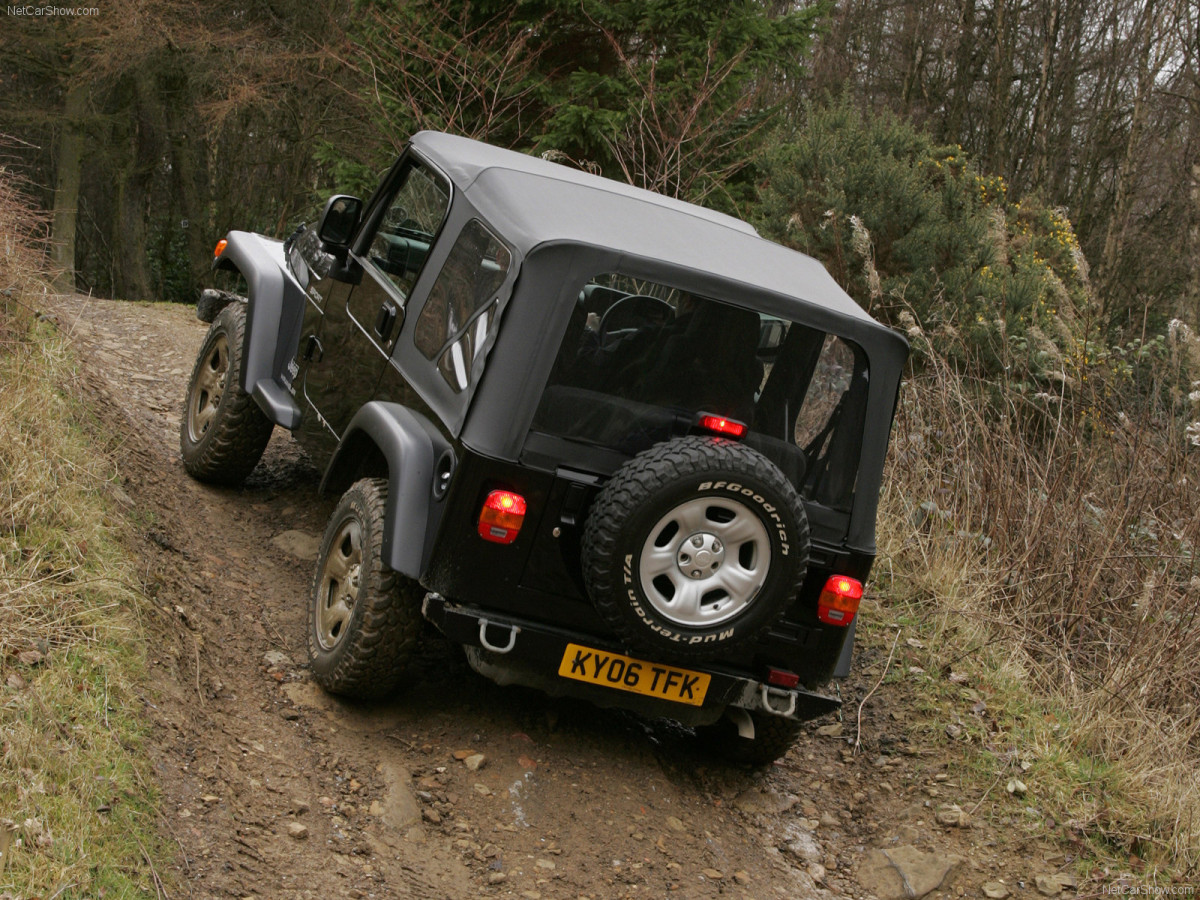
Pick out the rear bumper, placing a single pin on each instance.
(513, 650)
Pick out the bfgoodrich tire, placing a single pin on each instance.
(223, 433)
(364, 618)
(694, 546)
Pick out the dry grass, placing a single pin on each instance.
(1047, 545)
(76, 811)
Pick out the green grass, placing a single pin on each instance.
(76, 792)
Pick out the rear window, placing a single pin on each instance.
(640, 361)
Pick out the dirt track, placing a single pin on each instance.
(275, 790)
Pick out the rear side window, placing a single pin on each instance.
(826, 391)
(640, 361)
(458, 316)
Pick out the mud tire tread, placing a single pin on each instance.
(385, 629)
(211, 302)
(773, 737)
(228, 452)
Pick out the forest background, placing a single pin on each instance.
(1015, 184)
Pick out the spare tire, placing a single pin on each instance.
(694, 546)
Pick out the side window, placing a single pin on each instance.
(412, 219)
(829, 385)
(457, 317)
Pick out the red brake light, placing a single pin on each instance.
(839, 600)
(501, 518)
(220, 248)
(721, 425)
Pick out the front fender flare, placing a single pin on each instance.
(411, 446)
(274, 315)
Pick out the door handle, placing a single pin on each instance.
(312, 349)
(385, 321)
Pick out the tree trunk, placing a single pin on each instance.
(1001, 87)
(964, 74)
(66, 186)
(1060, 153)
(137, 141)
(913, 47)
(1040, 130)
(1114, 238)
(186, 180)
(1193, 287)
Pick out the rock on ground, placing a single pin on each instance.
(801, 844)
(298, 544)
(904, 873)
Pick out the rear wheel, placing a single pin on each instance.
(773, 737)
(364, 618)
(223, 432)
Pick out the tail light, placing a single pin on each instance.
(782, 678)
(501, 518)
(722, 426)
(839, 600)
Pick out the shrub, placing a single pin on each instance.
(928, 243)
(1040, 512)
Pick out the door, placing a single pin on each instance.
(348, 349)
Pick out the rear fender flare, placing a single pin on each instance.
(411, 447)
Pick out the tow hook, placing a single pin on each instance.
(766, 692)
(514, 630)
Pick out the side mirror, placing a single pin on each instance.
(339, 221)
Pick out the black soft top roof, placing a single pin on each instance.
(533, 201)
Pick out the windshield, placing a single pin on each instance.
(640, 361)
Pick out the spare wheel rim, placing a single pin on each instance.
(704, 562)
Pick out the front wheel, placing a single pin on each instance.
(223, 432)
(364, 618)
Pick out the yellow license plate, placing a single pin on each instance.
(634, 675)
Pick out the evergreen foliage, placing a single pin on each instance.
(676, 94)
(670, 95)
(924, 240)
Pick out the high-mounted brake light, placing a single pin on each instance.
(721, 425)
(501, 518)
(220, 248)
(839, 600)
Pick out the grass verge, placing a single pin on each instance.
(1040, 554)
(77, 804)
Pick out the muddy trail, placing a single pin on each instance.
(458, 788)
